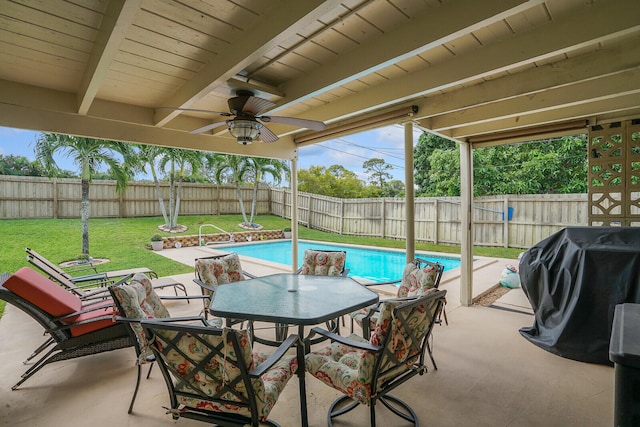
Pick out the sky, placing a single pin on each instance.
(351, 151)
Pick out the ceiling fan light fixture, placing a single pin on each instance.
(245, 131)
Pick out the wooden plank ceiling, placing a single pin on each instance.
(477, 71)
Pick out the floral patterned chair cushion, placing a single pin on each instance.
(416, 281)
(138, 300)
(219, 271)
(321, 263)
(351, 370)
(348, 369)
(220, 376)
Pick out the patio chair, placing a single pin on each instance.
(217, 270)
(324, 263)
(366, 371)
(212, 375)
(136, 301)
(84, 286)
(420, 277)
(75, 329)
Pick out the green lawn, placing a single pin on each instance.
(124, 241)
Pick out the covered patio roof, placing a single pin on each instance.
(495, 70)
(477, 72)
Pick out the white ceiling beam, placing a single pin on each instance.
(574, 32)
(588, 91)
(439, 25)
(581, 68)
(46, 110)
(278, 25)
(613, 106)
(115, 23)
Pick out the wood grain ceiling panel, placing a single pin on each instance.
(153, 45)
(15, 62)
(163, 59)
(54, 23)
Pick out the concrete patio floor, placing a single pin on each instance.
(488, 375)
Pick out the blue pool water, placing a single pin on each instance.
(365, 263)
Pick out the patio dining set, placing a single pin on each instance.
(209, 361)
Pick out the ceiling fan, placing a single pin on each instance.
(247, 125)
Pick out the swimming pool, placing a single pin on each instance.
(376, 265)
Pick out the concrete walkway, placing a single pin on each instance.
(488, 375)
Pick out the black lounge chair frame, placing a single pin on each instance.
(66, 346)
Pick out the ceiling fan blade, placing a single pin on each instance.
(267, 136)
(195, 110)
(293, 121)
(206, 128)
(256, 105)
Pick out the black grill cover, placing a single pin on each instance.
(573, 280)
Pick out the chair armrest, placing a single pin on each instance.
(162, 319)
(344, 340)
(83, 267)
(274, 357)
(183, 297)
(249, 275)
(391, 282)
(203, 285)
(98, 277)
(99, 293)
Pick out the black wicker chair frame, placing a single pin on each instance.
(66, 346)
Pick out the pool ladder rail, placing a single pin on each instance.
(201, 239)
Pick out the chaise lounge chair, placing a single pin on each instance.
(77, 284)
(77, 329)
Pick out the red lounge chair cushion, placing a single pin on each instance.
(42, 292)
(93, 326)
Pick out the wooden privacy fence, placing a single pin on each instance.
(517, 221)
(506, 221)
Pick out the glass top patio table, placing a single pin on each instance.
(315, 300)
(292, 299)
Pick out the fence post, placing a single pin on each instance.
(55, 198)
(436, 207)
(383, 216)
(505, 222)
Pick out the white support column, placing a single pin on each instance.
(466, 219)
(409, 192)
(294, 215)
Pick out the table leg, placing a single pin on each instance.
(301, 381)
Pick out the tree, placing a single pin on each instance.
(259, 167)
(377, 171)
(426, 147)
(394, 188)
(540, 167)
(334, 181)
(178, 161)
(89, 154)
(20, 165)
(148, 155)
(232, 168)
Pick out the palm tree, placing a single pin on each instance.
(148, 155)
(88, 154)
(178, 161)
(235, 168)
(259, 167)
